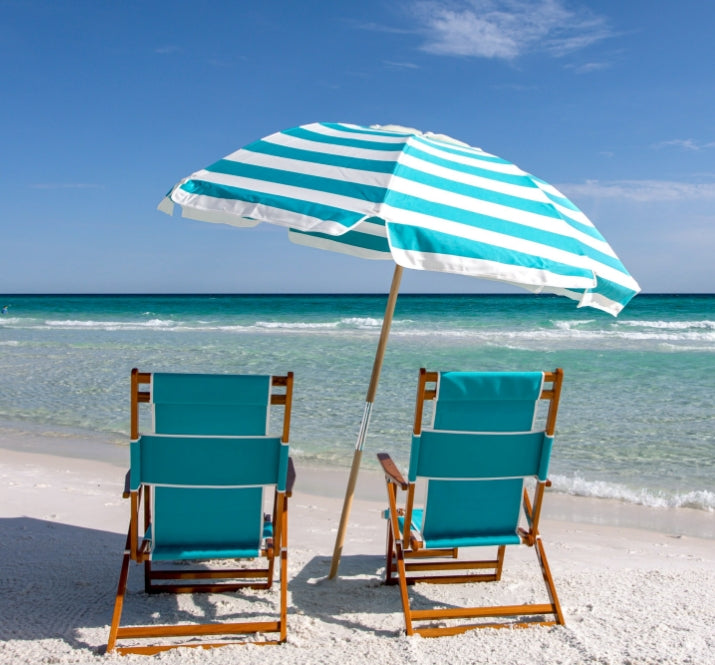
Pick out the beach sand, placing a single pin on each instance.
(630, 595)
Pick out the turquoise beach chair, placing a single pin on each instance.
(472, 463)
(196, 486)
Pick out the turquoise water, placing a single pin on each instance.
(637, 417)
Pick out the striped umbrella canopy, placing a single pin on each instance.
(423, 200)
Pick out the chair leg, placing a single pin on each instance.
(147, 577)
(549, 581)
(119, 599)
(270, 570)
(284, 570)
(500, 562)
(389, 556)
(402, 572)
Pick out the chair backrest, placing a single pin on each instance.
(209, 458)
(482, 445)
(211, 404)
(208, 491)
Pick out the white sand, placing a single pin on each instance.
(629, 595)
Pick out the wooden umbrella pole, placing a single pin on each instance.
(372, 389)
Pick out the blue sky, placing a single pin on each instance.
(105, 105)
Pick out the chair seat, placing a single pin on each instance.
(465, 540)
(188, 553)
(191, 551)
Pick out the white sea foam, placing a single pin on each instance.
(362, 322)
(110, 325)
(671, 335)
(296, 325)
(700, 499)
(670, 325)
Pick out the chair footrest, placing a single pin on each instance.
(192, 630)
(187, 630)
(478, 612)
(449, 565)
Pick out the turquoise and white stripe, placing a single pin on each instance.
(426, 201)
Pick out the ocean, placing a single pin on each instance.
(637, 417)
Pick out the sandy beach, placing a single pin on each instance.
(630, 595)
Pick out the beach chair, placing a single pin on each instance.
(477, 464)
(196, 487)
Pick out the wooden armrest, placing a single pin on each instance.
(290, 480)
(126, 492)
(391, 471)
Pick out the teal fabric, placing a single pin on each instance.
(414, 457)
(213, 404)
(211, 461)
(208, 492)
(462, 455)
(135, 466)
(200, 523)
(463, 538)
(458, 512)
(487, 401)
(543, 472)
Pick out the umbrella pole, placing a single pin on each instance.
(372, 389)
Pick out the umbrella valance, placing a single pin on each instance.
(426, 201)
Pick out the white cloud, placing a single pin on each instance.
(507, 29)
(401, 65)
(685, 144)
(167, 50)
(641, 190)
(588, 67)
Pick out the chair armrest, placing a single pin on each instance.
(391, 471)
(290, 480)
(126, 492)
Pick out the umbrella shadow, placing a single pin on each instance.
(59, 581)
(357, 599)
(56, 577)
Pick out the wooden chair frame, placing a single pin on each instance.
(164, 579)
(409, 562)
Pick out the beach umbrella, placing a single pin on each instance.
(422, 200)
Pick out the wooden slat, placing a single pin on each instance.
(208, 574)
(186, 630)
(477, 612)
(451, 565)
(155, 649)
(206, 587)
(454, 579)
(452, 552)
